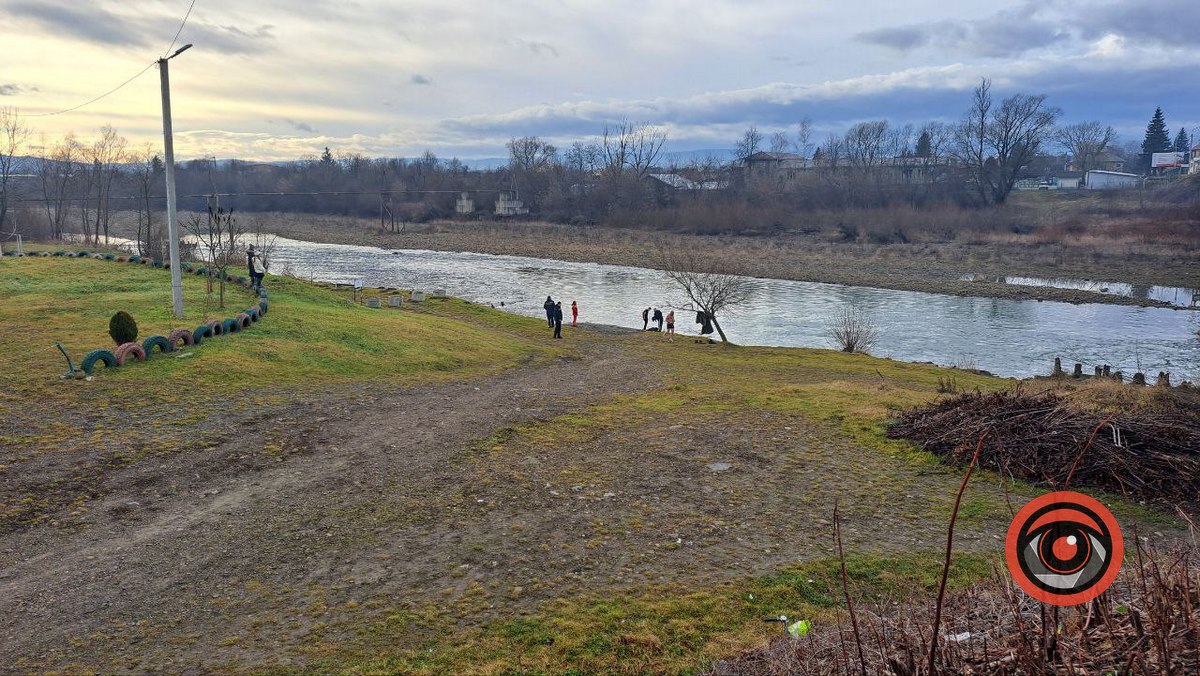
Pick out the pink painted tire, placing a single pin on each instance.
(243, 319)
(183, 335)
(217, 328)
(127, 350)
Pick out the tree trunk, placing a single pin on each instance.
(717, 326)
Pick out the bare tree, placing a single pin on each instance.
(14, 132)
(530, 153)
(864, 143)
(633, 146)
(803, 143)
(56, 170)
(780, 142)
(705, 280)
(583, 157)
(107, 155)
(219, 235)
(1086, 142)
(147, 175)
(996, 142)
(749, 144)
(853, 330)
(938, 137)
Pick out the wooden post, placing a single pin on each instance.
(1139, 378)
(1078, 371)
(1164, 379)
(1058, 372)
(1099, 372)
(1106, 372)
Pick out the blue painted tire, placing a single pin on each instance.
(94, 357)
(110, 257)
(231, 325)
(203, 331)
(57, 253)
(135, 259)
(262, 307)
(253, 312)
(160, 342)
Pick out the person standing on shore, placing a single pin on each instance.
(549, 307)
(558, 317)
(671, 324)
(645, 319)
(658, 319)
(574, 313)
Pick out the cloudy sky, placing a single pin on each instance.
(280, 79)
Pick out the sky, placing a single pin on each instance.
(282, 79)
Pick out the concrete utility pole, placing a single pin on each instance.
(169, 153)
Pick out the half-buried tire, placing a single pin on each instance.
(126, 351)
(94, 357)
(181, 338)
(216, 328)
(203, 331)
(160, 342)
(243, 320)
(231, 325)
(262, 307)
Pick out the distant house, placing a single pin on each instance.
(1110, 180)
(778, 166)
(1069, 180)
(1194, 166)
(673, 181)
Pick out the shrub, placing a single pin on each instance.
(122, 328)
(853, 330)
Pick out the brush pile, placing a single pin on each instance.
(1042, 439)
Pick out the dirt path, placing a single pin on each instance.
(171, 542)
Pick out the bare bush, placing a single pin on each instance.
(853, 330)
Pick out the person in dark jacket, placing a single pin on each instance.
(645, 319)
(558, 320)
(658, 319)
(549, 307)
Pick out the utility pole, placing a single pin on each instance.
(169, 153)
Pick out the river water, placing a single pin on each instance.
(1008, 337)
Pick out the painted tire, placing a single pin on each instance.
(262, 307)
(160, 342)
(146, 261)
(122, 259)
(203, 331)
(57, 253)
(157, 262)
(216, 328)
(127, 350)
(135, 259)
(253, 312)
(243, 320)
(175, 337)
(110, 257)
(201, 271)
(231, 325)
(105, 357)
(46, 254)
(83, 253)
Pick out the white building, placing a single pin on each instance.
(1111, 180)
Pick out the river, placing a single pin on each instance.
(1017, 338)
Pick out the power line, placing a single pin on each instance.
(107, 93)
(181, 25)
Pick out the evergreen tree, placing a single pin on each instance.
(326, 157)
(924, 145)
(1182, 143)
(1157, 140)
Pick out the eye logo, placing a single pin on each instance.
(1064, 548)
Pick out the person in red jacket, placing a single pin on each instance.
(574, 313)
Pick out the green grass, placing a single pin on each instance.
(310, 335)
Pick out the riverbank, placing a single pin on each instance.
(933, 267)
(440, 489)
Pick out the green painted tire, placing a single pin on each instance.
(57, 253)
(110, 257)
(253, 312)
(203, 331)
(160, 342)
(231, 325)
(94, 357)
(262, 306)
(201, 271)
(135, 259)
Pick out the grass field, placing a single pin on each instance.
(561, 513)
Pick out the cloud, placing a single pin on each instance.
(300, 126)
(419, 79)
(81, 20)
(537, 47)
(1164, 22)
(1008, 33)
(11, 89)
